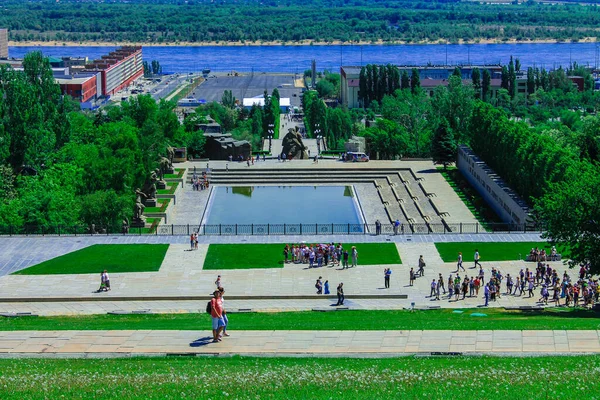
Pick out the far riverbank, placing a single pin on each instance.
(278, 43)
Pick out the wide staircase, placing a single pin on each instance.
(401, 193)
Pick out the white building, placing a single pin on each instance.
(284, 103)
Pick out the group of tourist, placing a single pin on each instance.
(320, 255)
(537, 254)
(323, 288)
(194, 241)
(200, 183)
(216, 309)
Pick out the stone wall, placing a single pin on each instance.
(507, 204)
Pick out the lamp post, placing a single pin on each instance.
(271, 133)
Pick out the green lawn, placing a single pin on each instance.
(532, 378)
(490, 251)
(98, 257)
(246, 256)
(443, 319)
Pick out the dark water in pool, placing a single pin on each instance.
(282, 205)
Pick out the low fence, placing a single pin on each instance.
(271, 229)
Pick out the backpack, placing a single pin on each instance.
(209, 307)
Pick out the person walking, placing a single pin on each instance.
(486, 294)
(319, 286)
(340, 294)
(433, 288)
(225, 318)
(354, 257)
(387, 274)
(476, 257)
(218, 281)
(396, 226)
(326, 287)
(345, 259)
(106, 279)
(459, 262)
(411, 277)
(441, 283)
(421, 270)
(216, 313)
(377, 227)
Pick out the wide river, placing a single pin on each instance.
(298, 58)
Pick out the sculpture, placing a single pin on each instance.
(170, 155)
(138, 209)
(150, 186)
(165, 167)
(293, 146)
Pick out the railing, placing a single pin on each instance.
(271, 229)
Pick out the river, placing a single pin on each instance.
(296, 59)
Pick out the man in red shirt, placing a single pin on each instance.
(216, 313)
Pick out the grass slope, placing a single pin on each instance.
(98, 257)
(496, 319)
(568, 377)
(247, 256)
(470, 197)
(490, 251)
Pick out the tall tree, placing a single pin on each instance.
(455, 104)
(228, 100)
(476, 78)
(362, 87)
(530, 81)
(512, 79)
(504, 78)
(486, 85)
(415, 81)
(405, 80)
(443, 146)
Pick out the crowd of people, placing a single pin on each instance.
(552, 288)
(320, 255)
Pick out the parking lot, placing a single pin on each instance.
(249, 85)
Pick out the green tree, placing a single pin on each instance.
(486, 85)
(443, 149)
(325, 88)
(476, 78)
(415, 81)
(405, 80)
(455, 104)
(571, 215)
(228, 99)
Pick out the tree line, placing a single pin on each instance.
(286, 21)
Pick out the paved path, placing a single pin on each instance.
(181, 274)
(282, 343)
(17, 253)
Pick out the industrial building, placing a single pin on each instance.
(118, 69)
(82, 88)
(3, 43)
